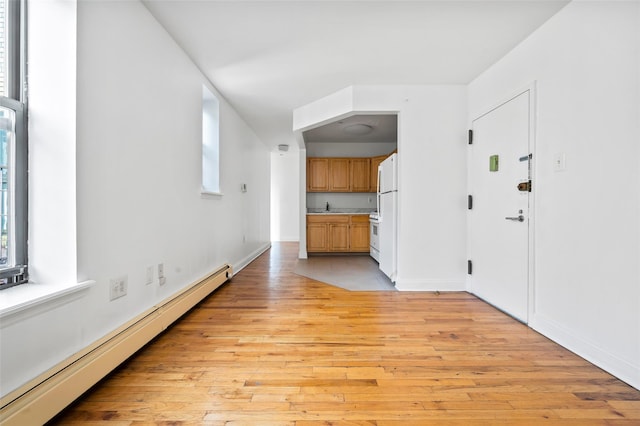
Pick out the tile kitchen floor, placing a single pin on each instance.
(350, 272)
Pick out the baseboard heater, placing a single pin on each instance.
(42, 398)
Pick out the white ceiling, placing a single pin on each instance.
(356, 128)
(269, 57)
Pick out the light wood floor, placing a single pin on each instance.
(275, 348)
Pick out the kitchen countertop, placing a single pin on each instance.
(339, 211)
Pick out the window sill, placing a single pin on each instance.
(24, 297)
(210, 194)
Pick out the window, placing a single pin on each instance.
(13, 146)
(210, 142)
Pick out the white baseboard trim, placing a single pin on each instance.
(42, 398)
(429, 285)
(242, 263)
(620, 368)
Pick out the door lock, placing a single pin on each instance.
(524, 186)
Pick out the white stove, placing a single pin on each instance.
(374, 240)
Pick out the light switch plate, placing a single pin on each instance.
(149, 275)
(560, 162)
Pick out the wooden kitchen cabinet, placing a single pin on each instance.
(343, 174)
(337, 233)
(359, 234)
(360, 172)
(339, 175)
(317, 174)
(317, 237)
(339, 237)
(327, 233)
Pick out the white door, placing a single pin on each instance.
(499, 218)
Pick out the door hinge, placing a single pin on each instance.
(470, 137)
(469, 267)
(469, 202)
(524, 186)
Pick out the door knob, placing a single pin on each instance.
(517, 218)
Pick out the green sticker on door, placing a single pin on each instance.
(493, 163)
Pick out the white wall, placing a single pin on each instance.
(432, 178)
(585, 61)
(302, 192)
(138, 201)
(432, 181)
(285, 196)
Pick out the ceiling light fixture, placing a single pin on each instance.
(358, 129)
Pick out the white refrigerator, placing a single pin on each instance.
(388, 215)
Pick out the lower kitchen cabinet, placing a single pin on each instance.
(337, 233)
(359, 234)
(317, 237)
(338, 237)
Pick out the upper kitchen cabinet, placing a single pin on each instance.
(317, 174)
(339, 175)
(360, 174)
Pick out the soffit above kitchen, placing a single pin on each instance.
(268, 58)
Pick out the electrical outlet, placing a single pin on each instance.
(149, 275)
(118, 287)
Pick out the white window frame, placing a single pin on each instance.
(210, 143)
(15, 271)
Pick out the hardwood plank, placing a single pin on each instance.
(275, 348)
